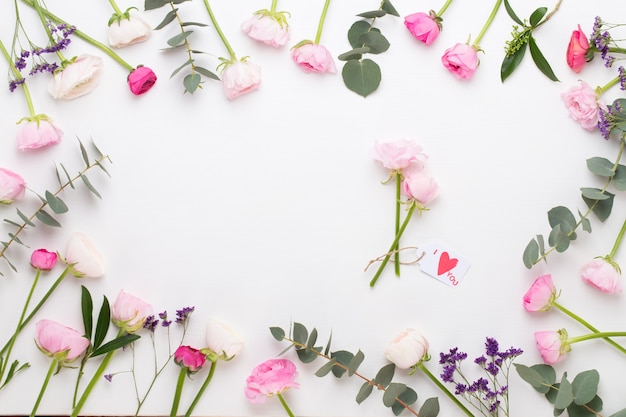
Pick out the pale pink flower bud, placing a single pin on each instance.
(77, 78)
(540, 295)
(552, 345)
(12, 186)
(127, 31)
(129, 313)
(272, 377)
(37, 133)
(419, 187)
(407, 349)
(583, 105)
(267, 29)
(222, 341)
(602, 274)
(43, 259)
(313, 58)
(83, 257)
(60, 342)
(240, 77)
(461, 60)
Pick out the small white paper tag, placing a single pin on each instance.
(443, 263)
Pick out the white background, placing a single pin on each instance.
(266, 209)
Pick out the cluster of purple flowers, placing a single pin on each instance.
(611, 118)
(488, 394)
(182, 316)
(603, 42)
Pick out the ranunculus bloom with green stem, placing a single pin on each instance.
(407, 349)
(603, 272)
(126, 29)
(12, 186)
(83, 257)
(310, 55)
(43, 259)
(554, 345)
(577, 50)
(583, 105)
(268, 26)
(37, 132)
(141, 79)
(78, 77)
(272, 377)
(190, 360)
(222, 342)
(426, 27)
(129, 312)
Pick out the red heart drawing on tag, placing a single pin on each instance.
(446, 263)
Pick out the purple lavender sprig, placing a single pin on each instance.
(603, 42)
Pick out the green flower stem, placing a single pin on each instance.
(274, 5)
(444, 8)
(601, 90)
(182, 374)
(394, 244)
(94, 379)
(396, 255)
(233, 57)
(51, 370)
(598, 335)
(19, 324)
(487, 23)
(284, 403)
(110, 52)
(16, 73)
(444, 389)
(115, 7)
(320, 25)
(618, 240)
(587, 325)
(206, 383)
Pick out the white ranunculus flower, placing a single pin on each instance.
(76, 79)
(407, 349)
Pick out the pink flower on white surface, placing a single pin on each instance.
(407, 349)
(312, 57)
(399, 155)
(38, 132)
(127, 30)
(267, 27)
(77, 78)
(577, 50)
(141, 79)
(419, 187)
(424, 27)
(540, 295)
(190, 358)
(43, 259)
(553, 346)
(12, 186)
(272, 377)
(461, 60)
(222, 341)
(129, 313)
(603, 274)
(240, 77)
(60, 342)
(83, 257)
(583, 105)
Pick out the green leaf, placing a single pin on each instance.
(330, 338)
(430, 408)
(191, 82)
(601, 208)
(177, 70)
(356, 30)
(86, 308)
(355, 362)
(55, 203)
(377, 42)
(593, 193)
(408, 397)
(102, 326)
(532, 376)
(590, 409)
(563, 217)
(312, 339)
(388, 7)
(326, 368)
(69, 179)
(115, 344)
(540, 60)
(206, 73)
(551, 394)
(89, 186)
(278, 333)
(512, 61)
(559, 240)
(547, 372)
(363, 77)
(343, 357)
(585, 386)
(584, 222)
(46, 218)
(600, 166)
(185, 24)
(531, 254)
(355, 53)
(537, 15)
(565, 396)
(512, 14)
(169, 18)
(154, 4)
(13, 369)
(102, 167)
(620, 413)
(305, 355)
(177, 40)
(16, 239)
(372, 14)
(300, 333)
(619, 179)
(364, 392)
(392, 392)
(83, 152)
(24, 218)
(385, 375)
(12, 223)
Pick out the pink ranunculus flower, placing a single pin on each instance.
(129, 312)
(407, 349)
(12, 186)
(399, 155)
(77, 78)
(38, 132)
(222, 341)
(461, 60)
(424, 27)
(272, 377)
(60, 342)
(577, 50)
(190, 358)
(271, 29)
(141, 79)
(540, 295)
(419, 187)
(43, 259)
(312, 57)
(127, 30)
(583, 105)
(83, 257)
(603, 274)
(240, 77)
(553, 346)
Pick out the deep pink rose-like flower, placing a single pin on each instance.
(60, 342)
(407, 349)
(127, 31)
(38, 132)
(84, 258)
(272, 377)
(141, 79)
(552, 345)
(12, 186)
(583, 105)
(399, 155)
(43, 259)
(129, 313)
(312, 57)
(419, 187)
(576, 50)
(540, 295)
(190, 358)
(77, 78)
(267, 29)
(602, 274)
(240, 77)
(461, 60)
(424, 27)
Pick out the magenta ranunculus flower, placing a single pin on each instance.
(553, 346)
(190, 358)
(577, 50)
(461, 60)
(407, 349)
(38, 132)
(60, 342)
(424, 27)
(127, 30)
(603, 274)
(83, 257)
(583, 105)
(268, 27)
(419, 187)
(272, 377)
(312, 57)
(141, 79)
(12, 186)
(76, 78)
(129, 313)
(399, 155)
(540, 295)
(240, 77)
(43, 259)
